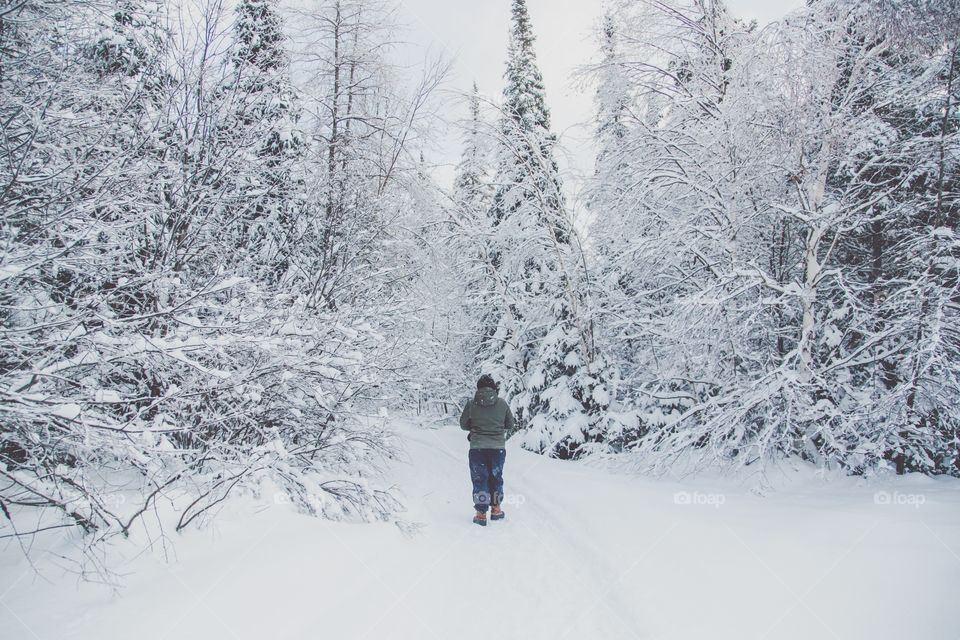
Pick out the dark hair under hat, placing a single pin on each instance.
(486, 381)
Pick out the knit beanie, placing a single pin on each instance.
(486, 381)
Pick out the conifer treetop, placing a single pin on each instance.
(524, 92)
(259, 35)
(470, 184)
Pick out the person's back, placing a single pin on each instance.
(488, 419)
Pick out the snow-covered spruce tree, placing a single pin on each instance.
(542, 349)
(266, 112)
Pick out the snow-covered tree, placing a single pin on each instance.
(662, 198)
(472, 190)
(615, 225)
(779, 184)
(266, 113)
(150, 345)
(542, 348)
(467, 240)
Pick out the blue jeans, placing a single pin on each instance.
(486, 472)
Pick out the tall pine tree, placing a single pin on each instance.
(543, 346)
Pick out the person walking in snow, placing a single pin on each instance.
(488, 419)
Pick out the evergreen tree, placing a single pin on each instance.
(266, 115)
(528, 186)
(472, 190)
(543, 347)
(471, 249)
(527, 212)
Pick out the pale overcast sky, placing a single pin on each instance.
(474, 34)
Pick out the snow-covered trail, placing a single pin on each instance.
(582, 554)
(530, 574)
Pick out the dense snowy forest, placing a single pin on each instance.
(226, 261)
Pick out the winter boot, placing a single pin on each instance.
(480, 519)
(496, 513)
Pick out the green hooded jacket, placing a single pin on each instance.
(488, 419)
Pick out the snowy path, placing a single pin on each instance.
(582, 554)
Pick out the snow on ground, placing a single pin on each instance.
(582, 554)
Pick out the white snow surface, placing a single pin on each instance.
(583, 553)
